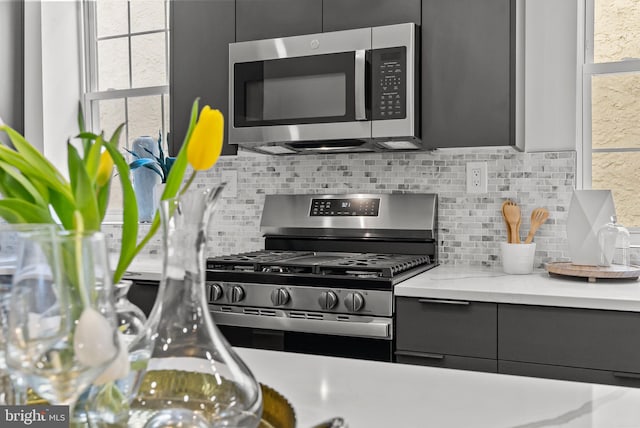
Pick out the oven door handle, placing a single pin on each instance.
(375, 328)
(360, 84)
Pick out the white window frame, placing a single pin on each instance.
(91, 92)
(587, 69)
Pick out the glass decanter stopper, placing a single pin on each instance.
(193, 376)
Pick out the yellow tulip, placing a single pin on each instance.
(105, 168)
(206, 141)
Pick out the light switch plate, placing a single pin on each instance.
(230, 176)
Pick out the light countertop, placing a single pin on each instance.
(373, 394)
(538, 288)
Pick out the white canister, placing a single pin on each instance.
(517, 258)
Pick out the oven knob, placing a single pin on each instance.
(237, 294)
(328, 300)
(280, 297)
(354, 302)
(215, 291)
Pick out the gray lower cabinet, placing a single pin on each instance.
(201, 31)
(348, 14)
(265, 19)
(446, 333)
(569, 343)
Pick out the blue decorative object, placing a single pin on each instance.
(144, 179)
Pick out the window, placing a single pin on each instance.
(611, 104)
(127, 71)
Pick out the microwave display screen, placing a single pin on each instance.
(294, 97)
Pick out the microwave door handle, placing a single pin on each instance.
(360, 82)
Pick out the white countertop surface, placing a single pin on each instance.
(372, 394)
(538, 288)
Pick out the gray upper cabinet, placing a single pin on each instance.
(265, 19)
(468, 69)
(200, 35)
(348, 14)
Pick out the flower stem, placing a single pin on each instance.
(188, 183)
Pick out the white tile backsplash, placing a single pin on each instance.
(470, 225)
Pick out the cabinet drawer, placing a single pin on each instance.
(586, 338)
(447, 361)
(569, 373)
(449, 327)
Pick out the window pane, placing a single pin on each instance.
(620, 172)
(147, 15)
(616, 111)
(145, 116)
(616, 30)
(148, 60)
(113, 64)
(111, 114)
(111, 16)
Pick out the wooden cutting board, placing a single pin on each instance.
(594, 273)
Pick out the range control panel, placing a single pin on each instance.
(345, 207)
(389, 83)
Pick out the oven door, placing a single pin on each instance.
(302, 88)
(309, 343)
(335, 335)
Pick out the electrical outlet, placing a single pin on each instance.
(476, 177)
(230, 176)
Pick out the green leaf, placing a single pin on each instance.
(92, 159)
(86, 142)
(83, 191)
(103, 198)
(63, 207)
(33, 156)
(33, 173)
(130, 211)
(20, 186)
(12, 209)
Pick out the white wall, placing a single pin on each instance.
(52, 45)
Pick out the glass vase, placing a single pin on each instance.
(193, 376)
(62, 325)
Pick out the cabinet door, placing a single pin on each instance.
(447, 361)
(446, 327)
(200, 35)
(570, 373)
(265, 19)
(585, 338)
(468, 64)
(348, 14)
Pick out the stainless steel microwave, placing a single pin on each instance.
(343, 91)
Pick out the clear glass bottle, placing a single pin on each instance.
(193, 376)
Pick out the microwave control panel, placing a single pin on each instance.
(389, 83)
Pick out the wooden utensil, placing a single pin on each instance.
(538, 216)
(513, 217)
(507, 202)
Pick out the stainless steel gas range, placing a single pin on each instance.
(324, 282)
